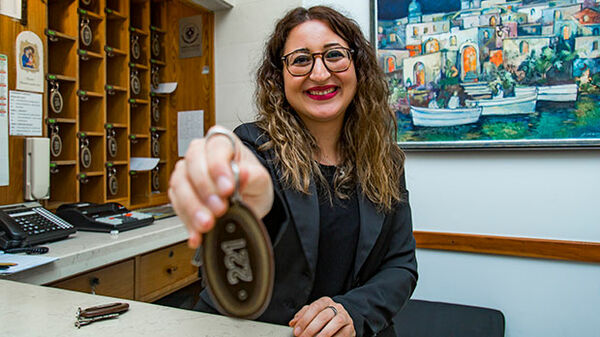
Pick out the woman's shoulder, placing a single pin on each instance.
(251, 133)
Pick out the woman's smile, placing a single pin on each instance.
(322, 93)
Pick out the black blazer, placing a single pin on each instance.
(385, 270)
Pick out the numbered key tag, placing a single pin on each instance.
(85, 155)
(155, 77)
(155, 145)
(113, 182)
(86, 32)
(86, 3)
(56, 99)
(135, 47)
(237, 261)
(156, 109)
(111, 142)
(136, 85)
(155, 45)
(155, 179)
(55, 141)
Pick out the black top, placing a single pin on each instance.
(338, 236)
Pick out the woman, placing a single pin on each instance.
(321, 168)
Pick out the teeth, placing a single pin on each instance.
(322, 92)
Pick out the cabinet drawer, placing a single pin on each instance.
(164, 271)
(115, 280)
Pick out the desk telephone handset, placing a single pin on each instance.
(29, 224)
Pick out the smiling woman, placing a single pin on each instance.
(321, 168)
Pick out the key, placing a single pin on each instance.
(237, 257)
(85, 321)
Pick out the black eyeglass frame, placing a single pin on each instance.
(313, 55)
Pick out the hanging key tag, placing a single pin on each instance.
(135, 47)
(56, 99)
(155, 179)
(156, 109)
(237, 258)
(136, 85)
(155, 144)
(113, 182)
(155, 77)
(55, 141)
(85, 153)
(111, 142)
(155, 45)
(86, 32)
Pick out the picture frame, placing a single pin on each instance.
(491, 73)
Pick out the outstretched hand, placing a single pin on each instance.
(202, 183)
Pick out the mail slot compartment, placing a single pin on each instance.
(115, 280)
(164, 271)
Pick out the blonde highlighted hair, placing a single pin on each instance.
(370, 157)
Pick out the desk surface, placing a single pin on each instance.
(89, 250)
(32, 310)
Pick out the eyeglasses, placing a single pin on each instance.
(301, 62)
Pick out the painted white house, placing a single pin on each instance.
(588, 46)
(517, 49)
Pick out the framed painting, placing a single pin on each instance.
(491, 73)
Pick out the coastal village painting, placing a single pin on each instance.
(492, 70)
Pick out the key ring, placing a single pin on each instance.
(234, 165)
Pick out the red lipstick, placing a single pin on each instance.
(320, 96)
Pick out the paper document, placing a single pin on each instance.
(25, 109)
(11, 8)
(190, 125)
(165, 88)
(23, 262)
(143, 164)
(4, 156)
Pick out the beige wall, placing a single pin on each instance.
(240, 34)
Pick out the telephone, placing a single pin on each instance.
(28, 224)
(111, 216)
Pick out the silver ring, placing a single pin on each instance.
(335, 312)
(234, 166)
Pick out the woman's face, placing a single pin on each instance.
(320, 97)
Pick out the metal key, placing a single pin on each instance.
(85, 321)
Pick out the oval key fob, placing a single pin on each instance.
(237, 263)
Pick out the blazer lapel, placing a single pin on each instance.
(305, 213)
(371, 223)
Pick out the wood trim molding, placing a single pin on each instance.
(513, 246)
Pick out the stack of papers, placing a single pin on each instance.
(23, 262)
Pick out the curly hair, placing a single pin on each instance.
(370, 156)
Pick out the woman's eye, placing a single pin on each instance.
(334, 55)
(301, 60)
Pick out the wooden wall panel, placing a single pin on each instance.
(195, 91)
(9, 29)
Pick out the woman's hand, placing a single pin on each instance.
(322, 318)
(202, 182)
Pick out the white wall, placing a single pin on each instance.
(547, 194)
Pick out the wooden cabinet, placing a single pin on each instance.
(164, 271)
(116, 280)
(146, 277)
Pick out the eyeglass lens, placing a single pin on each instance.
(301, 63)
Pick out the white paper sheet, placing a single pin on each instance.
(25, 109)
(190, 125)
(164, 88)
(23, 262)
(143, 163)
(11, 8)
(4, 157)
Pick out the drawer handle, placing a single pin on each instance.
(171, 270)
(94, 282)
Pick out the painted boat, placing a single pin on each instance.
(522, 91)
(558, 93)
(444, 117)
(520, 104)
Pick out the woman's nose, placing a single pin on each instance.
(320, 72)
